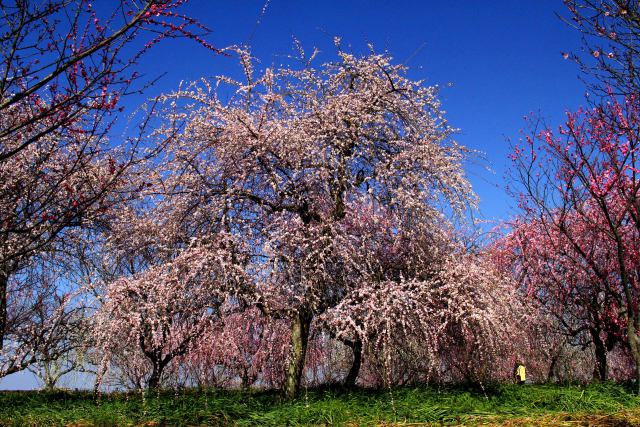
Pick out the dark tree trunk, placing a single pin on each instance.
(245, 379)
(154, 379)
(4, 281)
(634, 345)
(156, 374)
(552, 366)
(300, 325)
(600, 369)
(354, 371)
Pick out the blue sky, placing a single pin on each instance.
(502, 59)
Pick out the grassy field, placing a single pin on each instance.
(543, 405)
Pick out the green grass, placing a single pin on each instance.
(504, 404)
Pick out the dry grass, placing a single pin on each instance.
(625, 418)
(622, 419)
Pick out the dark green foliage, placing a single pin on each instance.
(314, 407)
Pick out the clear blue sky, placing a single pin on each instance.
(502, 58)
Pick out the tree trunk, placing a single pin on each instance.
(634, 345)
(245, 379)
(551, 375)
(154, 379)
(156, 375)
(352, 376)
(4, 281)
(600, 371)
(50, 385)
(300, 325)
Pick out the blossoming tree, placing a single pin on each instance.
(578, 191)
(298, 148)
(418, 295)
(163, 309)
(552, 271)
(65, 65)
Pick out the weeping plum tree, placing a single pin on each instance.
(297, 149)
(420, 296)
(174, 264)
(165, 308)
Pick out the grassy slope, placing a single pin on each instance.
(602, 404)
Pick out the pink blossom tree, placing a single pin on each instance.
(419, 295)
(244, 346)
(65, 65)
(551, 270)
(609, 30)
(577, 240)
(163, 309)
(298, 147)
(63, 61)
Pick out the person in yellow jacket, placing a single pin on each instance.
(520, 373)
